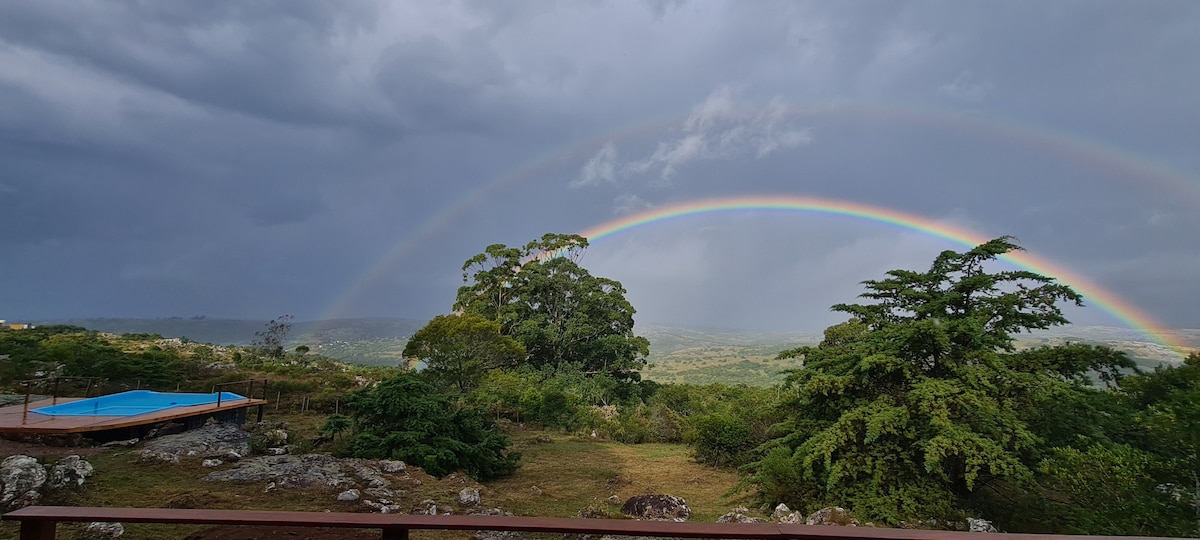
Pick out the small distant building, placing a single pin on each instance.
(15, 326)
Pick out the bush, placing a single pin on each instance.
(405, 418)
(720, 439)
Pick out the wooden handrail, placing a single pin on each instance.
(39, 522)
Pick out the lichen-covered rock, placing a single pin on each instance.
(831, 515)
(391, 466)
(307, 471)
(427, 506)
(349, 495)
(20, 478)
(980, 525)
(101, 530)
(70, 472)
(364, 471)
(468, 497)
(739, 515)
(783, 514)
(657, 507)
(383, 506)
(211, 463)
(212, 440)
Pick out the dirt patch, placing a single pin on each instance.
(226, 532)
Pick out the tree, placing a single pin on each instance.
(541, 296)
(271, 339)
(459, 349)
(405, 418)
(909, 408)
(335, 424)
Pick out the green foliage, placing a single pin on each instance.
(720, 439)
(459, 349)
(335, 425)
(906, 410)
(405, 418)
(556, 309)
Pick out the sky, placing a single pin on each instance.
(332, 159)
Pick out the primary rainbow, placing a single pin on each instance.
(1127, 313)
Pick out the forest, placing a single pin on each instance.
(917, 409)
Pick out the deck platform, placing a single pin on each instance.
(17, 419)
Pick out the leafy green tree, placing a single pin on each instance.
(335, 425)
(543, 298)
(907, 409)
(459, 349)
(405, 418)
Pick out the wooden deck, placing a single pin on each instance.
(14, 419)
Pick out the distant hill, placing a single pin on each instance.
(677, 353)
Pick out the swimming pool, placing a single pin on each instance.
(133, 403)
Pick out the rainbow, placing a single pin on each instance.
(1122, 310)
(1103, 158)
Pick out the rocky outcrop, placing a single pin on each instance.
(20, 478)
(349, 495)
(70, 472)
(390, 466)
(980, 525)
(656, 507)
(215, 440)
(740, 515)
(307, 471)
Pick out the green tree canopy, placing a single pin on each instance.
(459, 349)
(909, 408)
(541, 296)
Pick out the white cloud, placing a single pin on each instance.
(723, 127)
(601, 168)
(965, 87)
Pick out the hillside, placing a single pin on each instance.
(678, 354)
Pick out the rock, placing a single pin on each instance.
(349, 495)
(382, 493)
(543, 438)
(980, 525)
(490, 512)
(783, 514)
(657, 507)
(103, 530)
(212, 440)
(468, 497)
(120, 444)
(211, 463)
(831, 515)
(427, 506)
(738, 515)
(536, 490)
(220, 366)
(270, 487)
(614, 500)
(391, 466)
(70, 472)
(148, 456)
(368, 474)
(277, 451)
(383, 506)
(20, 477)
(275, 437)
(307, 471)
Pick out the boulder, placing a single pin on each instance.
(369, 475)
(211, 463)
(349, 495)
(214, 439)
(70, 472)
(468, 497)
(656, 507)
(275, 437)
(391, 466)
(427, 506)
(614, 500)
(103, 530)
(831, 515)
(383, 506)
(20, 478)
(739, 515)
(783, 514)
(980, 525)
(277, 451)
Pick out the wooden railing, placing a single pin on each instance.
(39, 523)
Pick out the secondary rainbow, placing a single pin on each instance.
(1094, 295)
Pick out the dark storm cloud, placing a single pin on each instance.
(248, 159)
